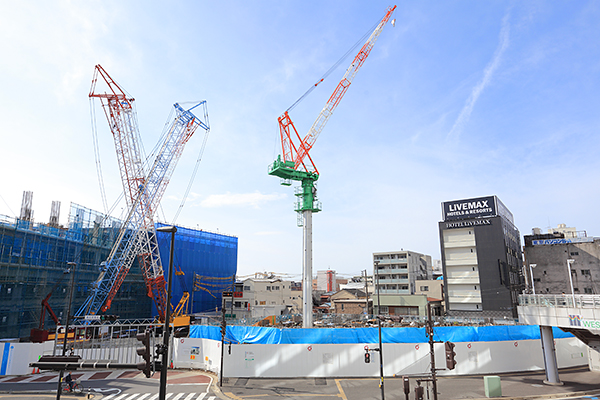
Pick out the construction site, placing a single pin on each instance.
(51, 273)
(93, 288)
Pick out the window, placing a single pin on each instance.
(342, 307)
(384, 309)
(247, 288)
(544, 272)
(585, 272)
(588, 290)
(269, 288)
(424, 288)
(576, 289)
(275, 287)
(574, 253)
(537, 279)
(262, 303)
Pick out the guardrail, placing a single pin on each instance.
(557, 300)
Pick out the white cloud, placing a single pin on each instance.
(240, 199)
(488, 73)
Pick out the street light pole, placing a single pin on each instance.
(162, 394)
(569, 262)
(61, 373)
(531, 266)
(379, 328)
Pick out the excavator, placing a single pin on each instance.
(39, 335)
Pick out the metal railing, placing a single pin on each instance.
(558, 300)
(107, 342)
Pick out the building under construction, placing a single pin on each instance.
(37, 260)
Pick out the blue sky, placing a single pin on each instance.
(461, 99)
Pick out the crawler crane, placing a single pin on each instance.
(143, 192)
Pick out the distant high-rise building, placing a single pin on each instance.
(327, 281)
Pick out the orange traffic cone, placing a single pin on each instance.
(36, 371)
(171, 366)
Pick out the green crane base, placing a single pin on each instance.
(307, 192)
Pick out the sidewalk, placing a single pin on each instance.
(526, 385)
(577, 381)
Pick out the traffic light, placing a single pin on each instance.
(145, 352)
(450, 354)
(406, 383)
(367, 356)
(419, 392)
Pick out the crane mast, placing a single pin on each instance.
(296, 164)
(137, 237)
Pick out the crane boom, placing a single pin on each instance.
(122, 120)
(297, 154)
(309, 140)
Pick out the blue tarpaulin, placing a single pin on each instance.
(262, 335)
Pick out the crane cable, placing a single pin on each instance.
(97, 155)
(334, 66)
(193, 177)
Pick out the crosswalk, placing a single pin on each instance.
(154, 396)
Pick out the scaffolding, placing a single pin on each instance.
(33, 256)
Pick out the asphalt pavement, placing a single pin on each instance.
(577, 382)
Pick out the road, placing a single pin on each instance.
(112, 385)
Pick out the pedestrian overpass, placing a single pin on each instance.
(577, 314)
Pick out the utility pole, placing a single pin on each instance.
(162, 394)
(431, 350)
(64, 349)
(379, 328)
(366, 293)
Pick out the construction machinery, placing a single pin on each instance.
(39, 335)
(296, 164)
(144, 186)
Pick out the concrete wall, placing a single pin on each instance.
(347, 360)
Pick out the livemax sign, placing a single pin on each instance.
(469, 208)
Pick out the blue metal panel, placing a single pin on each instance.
(210, 255)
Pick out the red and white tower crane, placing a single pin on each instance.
(295, 163)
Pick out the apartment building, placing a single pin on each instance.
(258, 298)
(395, 276)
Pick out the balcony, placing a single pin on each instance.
(391, 291)
(384, 281)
